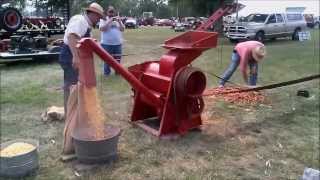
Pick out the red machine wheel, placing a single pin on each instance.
(195, 106)
(189, 85)
(11, 19)
(190, 81)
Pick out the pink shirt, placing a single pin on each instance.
(244, 50)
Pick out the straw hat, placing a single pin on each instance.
(96, 8)
(259, 53)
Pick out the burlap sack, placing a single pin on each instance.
(71, 120)
(84, 112)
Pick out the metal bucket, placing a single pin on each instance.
(91, 151)
(20, 165)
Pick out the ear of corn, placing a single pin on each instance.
(16, 149)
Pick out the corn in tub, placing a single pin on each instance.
(16, 149)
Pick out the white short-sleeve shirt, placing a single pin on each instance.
(78, 24)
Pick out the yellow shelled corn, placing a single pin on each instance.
(94, 110)
(16, 149)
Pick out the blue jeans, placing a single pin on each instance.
(253, 76)
(115, 51)
(235, 61)
(70, 75)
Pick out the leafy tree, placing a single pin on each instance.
(19, 4)
(197, 7)
(135, 8)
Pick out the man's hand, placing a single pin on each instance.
(245, 77)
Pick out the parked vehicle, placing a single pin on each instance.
(309, 20)
(267, 26)
(188, 22)
(198, 22)
(147, 19)
(131, 23)
(179, 27)
(164, 22)
(174, 23)
(317, 22)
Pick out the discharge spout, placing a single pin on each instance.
(87, 72)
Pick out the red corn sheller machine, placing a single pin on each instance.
(168, 92)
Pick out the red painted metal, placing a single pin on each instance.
(87, 73)
(12, 18)
(4, 45)
(227, 9)
(168, 92)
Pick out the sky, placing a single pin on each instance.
(267, 6)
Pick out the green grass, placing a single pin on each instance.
(236, 144)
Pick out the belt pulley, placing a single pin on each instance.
(189, 84)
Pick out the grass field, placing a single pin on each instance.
(264, 141)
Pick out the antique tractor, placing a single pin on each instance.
(23, 35)
(21, 44)
(10, 19)
(43, 23)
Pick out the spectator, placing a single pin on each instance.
(78, 27)
(111, 36)
(248, 53)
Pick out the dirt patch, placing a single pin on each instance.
(218, 126)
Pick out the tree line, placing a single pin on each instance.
(134, 8)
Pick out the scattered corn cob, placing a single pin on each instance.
(250, 98)
(16, 149)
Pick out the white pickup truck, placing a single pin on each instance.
(266, 26)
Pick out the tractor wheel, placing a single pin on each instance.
(10, 19)
(233, 41)
(260, 36)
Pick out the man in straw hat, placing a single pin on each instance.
(78, 27)
(245, 54)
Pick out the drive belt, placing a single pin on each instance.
(276, 85)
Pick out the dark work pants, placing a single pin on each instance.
(70, 77)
